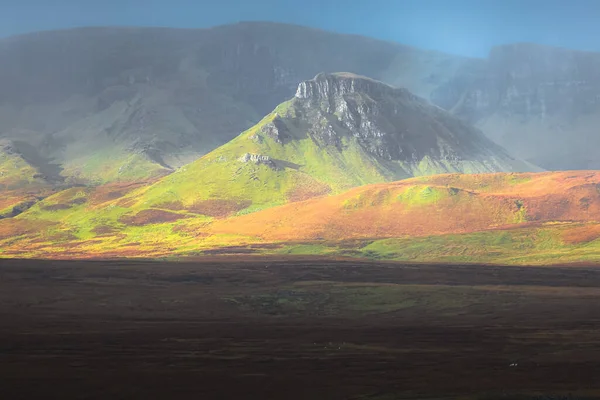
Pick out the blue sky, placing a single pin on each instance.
(468, 27)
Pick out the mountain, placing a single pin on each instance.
(122, 104)
(541, 103)
(339, 131)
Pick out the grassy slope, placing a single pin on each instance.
(497, 218)
(111, 164)
(14, 171)
(504, 218)
(304, 169)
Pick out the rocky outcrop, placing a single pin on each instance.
(257, 159)
(394, 125)
(326, 86)
(276, 130)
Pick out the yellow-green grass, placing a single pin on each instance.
(415, 220)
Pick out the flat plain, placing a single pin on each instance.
(257, 327)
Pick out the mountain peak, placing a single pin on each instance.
(327, 85)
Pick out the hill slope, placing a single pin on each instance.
(527, 218)
(430, 206)
(544, 218)
(127, 103)
(339, 131)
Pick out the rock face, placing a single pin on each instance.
(276, 130)
(327, 86)
(257, 159)
(394, 126)
(541, 103)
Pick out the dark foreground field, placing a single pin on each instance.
(228, 328)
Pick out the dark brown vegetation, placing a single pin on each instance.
(115, 190)
(308, 191)
(218, 208)
(302, 328)
(151, 216)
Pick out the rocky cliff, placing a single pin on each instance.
(395, 126)
(541, 103)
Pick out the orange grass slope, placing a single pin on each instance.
(442, 204)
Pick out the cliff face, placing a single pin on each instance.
(541, 103)
(396, 126)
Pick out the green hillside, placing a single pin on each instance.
(256, 169)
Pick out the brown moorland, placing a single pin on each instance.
(430, 206)
(297, 328)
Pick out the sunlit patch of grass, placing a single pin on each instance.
(421, 195)
(397, 220)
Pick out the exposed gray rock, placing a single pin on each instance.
(394, 125)
(276, 130)
(257, 159)
(325, 86)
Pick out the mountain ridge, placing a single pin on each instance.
(177, 93)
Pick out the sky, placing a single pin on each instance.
(466, 27)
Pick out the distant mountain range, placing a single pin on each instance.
(108, 104)
(123, 103)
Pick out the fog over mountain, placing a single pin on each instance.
(106, 104)
(541, 103)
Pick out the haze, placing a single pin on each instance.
(464, 27)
